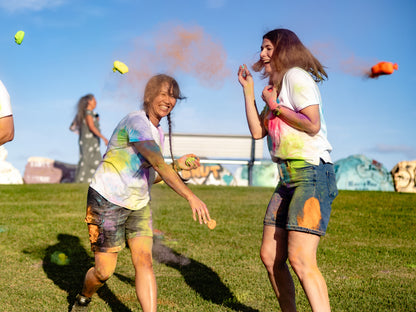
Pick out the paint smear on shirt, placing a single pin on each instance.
(120, 160)
(298, 88)
(292, 146)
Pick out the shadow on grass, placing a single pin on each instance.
(70, 277)
(199, 277)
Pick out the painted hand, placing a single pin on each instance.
(245, 78)
(189, 162)
(269, 96)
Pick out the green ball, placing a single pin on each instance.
(189, 161)
(59, 258)
(18, 37)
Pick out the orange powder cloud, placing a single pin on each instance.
(334, 57)
(175, 49)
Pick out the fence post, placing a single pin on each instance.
(251, 162)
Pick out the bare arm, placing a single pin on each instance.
(254, 121)
(307, 120)
(150, 150)
(6, 129)
(186, 162)
(90, 123)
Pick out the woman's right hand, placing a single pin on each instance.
(245, 78)
(199, 207)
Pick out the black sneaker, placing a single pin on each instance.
(81, 304)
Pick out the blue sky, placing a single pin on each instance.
(70, 46)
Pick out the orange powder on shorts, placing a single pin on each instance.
(311, 214)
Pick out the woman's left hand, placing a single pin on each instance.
(188, 162)
(269, 96)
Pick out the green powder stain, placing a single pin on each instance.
(120, 159)
(122, 136)
(291, 146)
(298, 88)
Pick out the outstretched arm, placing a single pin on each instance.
(151, 151)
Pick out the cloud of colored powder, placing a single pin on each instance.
(176, 49)
(334, 57)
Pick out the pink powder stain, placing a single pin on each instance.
(274, 128)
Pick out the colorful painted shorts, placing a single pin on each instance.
(110, 225)
(302, 199)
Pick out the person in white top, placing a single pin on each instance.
(292, 119)
(6, 116)
(118, 209)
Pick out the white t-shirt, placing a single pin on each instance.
(5, 107)
(124, 177)
(299, 90)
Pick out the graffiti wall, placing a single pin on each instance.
(404, 176)
(265, 175)
(209, 174)
(355, 172)
(360, 173)
(215, 174)
(46, 170)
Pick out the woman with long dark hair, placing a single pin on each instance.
(292, 119)
(86, 124)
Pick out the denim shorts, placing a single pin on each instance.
(110, 225)
(302, 199)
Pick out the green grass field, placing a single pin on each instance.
(368, 256)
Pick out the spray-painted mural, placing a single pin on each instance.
(360, 173)
(215, 174)
(265, 175)
(209, 174)
(355, 172)
(404, 176)
(46, 170)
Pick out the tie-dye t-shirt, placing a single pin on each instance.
(124, 177)
(299, 90)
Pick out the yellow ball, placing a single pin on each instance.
(18, 37)
(120, 66)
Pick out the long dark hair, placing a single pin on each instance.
(288, 52)
(152, 89)
(81, 110)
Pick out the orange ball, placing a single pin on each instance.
(212, 224)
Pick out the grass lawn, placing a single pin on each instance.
(368, 256)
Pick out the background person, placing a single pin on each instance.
(86, 124)
(298, 212)
(6, 116)
(118, 207)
